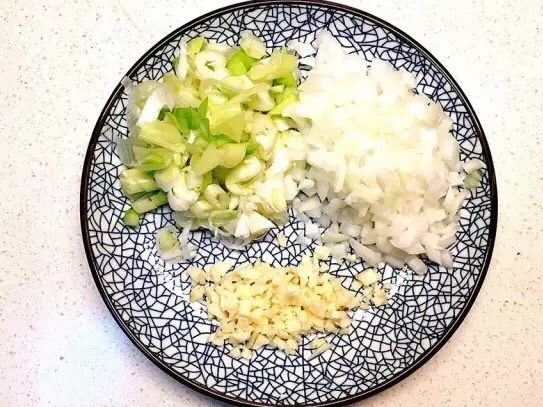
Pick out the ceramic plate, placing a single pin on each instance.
(148, 297)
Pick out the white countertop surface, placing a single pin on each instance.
(59, 61)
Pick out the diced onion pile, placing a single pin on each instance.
(257, 305)
(384, 170)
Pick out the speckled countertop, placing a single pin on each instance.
(59, 61)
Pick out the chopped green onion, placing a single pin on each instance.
(232, 127)
(196, 45)
(143, 90)
(149, 202)
(251, 148)
(168, 177)
(201, 209)
(134, 181)
(131, 218)
(240, 63)
(232, 154)
(287, 92)
(209, 159)
(277, 110)
(228, 119)
(216, 196)
(202, 109)
(172, 81)
(277, 88)
(253, 46)
(473, 179)
(279, 64)
(163, 112)
(287, 80)
(214, 142)
(162, 134)
(262, 102)
(236, 66)
(152, 159)
(188, 118)
(221, 217)
(166, 240)
(234, 85)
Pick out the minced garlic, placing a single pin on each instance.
(258, 305)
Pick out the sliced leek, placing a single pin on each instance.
(209, 139)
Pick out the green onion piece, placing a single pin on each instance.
(134, 181)
(166, 240)
(251, 148)
(197, 147)
(162, 134)
(245, 94)
(239, 63)
(202, 109)
(287, 92)
(232, 154)
(280, 64)
(152, 159)
(131, 218)
(235, 66)
(201, 208)
(277, 88)
(277, 110)
(209, 159)
(287, 80)
(219, 139)
(172, 81)
(149, 202)
(143, 90)
(183, 118)
(221, 217)
(262, 102)
(227, 119)
(167, 178)
(232, 128)
(196, 45)
(216, 196)
(188, 118)
(221, 113)
(163, 112)
(473, 179)
(253, 46)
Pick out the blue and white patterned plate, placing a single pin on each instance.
(148, 298)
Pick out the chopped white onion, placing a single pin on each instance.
(384, 166)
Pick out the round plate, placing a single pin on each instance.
(148, 298)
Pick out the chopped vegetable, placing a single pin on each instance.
(384, 167)
(134, 181)
(258, 305)
(196, 45)
(162, 134)
(252, 45)
(203, 143)
(149, 202)
(131, 218)
(167, 244)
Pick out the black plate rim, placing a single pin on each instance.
(428, 354)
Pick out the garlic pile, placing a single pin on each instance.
(258, 305)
